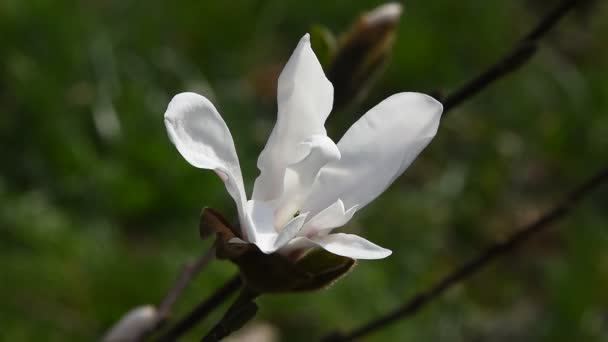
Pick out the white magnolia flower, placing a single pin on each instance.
(308, 185)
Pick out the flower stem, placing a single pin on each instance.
(240, 312)
(201, 310)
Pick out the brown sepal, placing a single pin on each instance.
(316, 270)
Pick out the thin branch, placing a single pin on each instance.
(201, 310)
(476, 264)
(238, 314)
(518, 56)
(188, 273)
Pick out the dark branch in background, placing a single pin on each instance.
(476, 264)
(186, 276)
(521, 53)
(518, 56)
(240, 312)
(201, 310)
(188, 273)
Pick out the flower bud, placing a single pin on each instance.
(133, 325)
(362, 53)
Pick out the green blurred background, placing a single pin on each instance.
(98, 211)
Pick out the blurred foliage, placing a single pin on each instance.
(98, 211)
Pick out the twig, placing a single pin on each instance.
(518, 56)
(201, 310)
(476, 264)
(240, 312)
(188, 273)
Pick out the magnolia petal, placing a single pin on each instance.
(300, 177)
(291, 229)
(260, 219)
(297, 244)
(305, 98)
(265, 236)
(352, 246)
(347, 245)
(376, 150)
(201, 136)
(329, 218)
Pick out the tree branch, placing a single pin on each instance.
(201, 310)
(518, 56)
(240, 312)
(188, 273)
(476, 264)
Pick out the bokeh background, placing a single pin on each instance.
(98, 211)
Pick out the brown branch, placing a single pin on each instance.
(201, 310)
(518, 56)
(238, 314)
(479, 262)
(188, 273)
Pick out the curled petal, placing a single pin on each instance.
(352, 246)
(299, 177)
(347, 245)
(376, 150)
(329, 218)
(305, 98)
(201, 136)
(291, 229)
(260, 215)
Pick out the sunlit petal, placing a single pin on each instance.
(203, 139)
(331, 217)
(348, 245)
(300, 177)
(305, 98)
(376, 150)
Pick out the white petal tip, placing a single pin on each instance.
(387, 13)
(305, 38)
(375, 255)
(182, 101)
(352, 246)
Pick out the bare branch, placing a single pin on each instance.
(201, 310)
(240, 312)
(490, 254)
(188, 273)
(518, 56)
